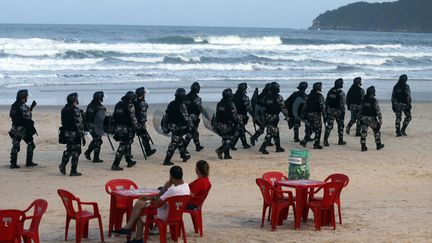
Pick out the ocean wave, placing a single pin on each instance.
(34, 64)
(141, 59)
(327, 59)
(238, 40)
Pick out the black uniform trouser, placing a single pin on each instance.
(95, 144)
(16, 141)
(193, 134)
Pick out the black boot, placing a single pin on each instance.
(403, 130)
(130, 162)
(62, 166)
(363, 147)
(379, 146)
(303, 142)
(326, 136)
(74, 166)
(244, 142)
(116, 164)
(227, 152)
(341, 141)
(317, 142)
(263, 148)
(13, 162)
(296, 135)
(167, 160)
(358, 131)
(198, 147)
(219, 152)
(29, 160)
(326, 143)
(347, 129)
(96, 158)
(185, 156)
(279, 149)
(88, 152)
(398, 132)
(253, 140)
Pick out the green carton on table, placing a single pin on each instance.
(298, 165)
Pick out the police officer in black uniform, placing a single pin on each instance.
(371, 117)
(294, 104)
(194, 107)
(335, 110)
(22, 129)
(313, 112)
(141, 108)
(93, 109)
(274, 105)
(401, 103)
(73, 128)
(179, 124)
(259, 115)
(126, 127)
(354, 99)
(226, 123)
(243, 106)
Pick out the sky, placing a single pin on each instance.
(295, 14)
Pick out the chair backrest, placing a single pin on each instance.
(67, 199)
(202, 197)
(10, 225)
(40, 206)
(266, 189)
(176, 206)
(331, 192)
(273, 176)
(338, 177)
(119, 184)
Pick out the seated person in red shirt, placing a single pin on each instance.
(199, 186)
(174, 187)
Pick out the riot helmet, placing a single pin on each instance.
(72, 98)
(274, 88)
(180, 94)
(227, 94)
(302, 86)
(358, 81)
(370, 91)
(339, 83)
(141, 91)
(22, 94)
(317, 86)
(195, 87)
(242, 87)
(403, 78)
(130, 96)
(98, 96)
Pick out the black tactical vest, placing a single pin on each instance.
(174, 116)
(271, 104)
(192, 108)
(354, 95)
(313, 103)
(223, 112)
(238, 101)
(91, 111)
(368, 107)
(400, 93)
(121, 114)
(16, 114)
(333, 99)
(67, 118)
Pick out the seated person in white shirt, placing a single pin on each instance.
(175, 186)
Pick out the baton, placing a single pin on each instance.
(148, 135)
(142, 148)
(109, 139)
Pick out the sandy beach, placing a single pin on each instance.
(388, 198)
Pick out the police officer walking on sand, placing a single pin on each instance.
(354, 100)
(95, 108)
(294, 105)
(22, 129)
(141, 108)
(73, 129)
(194, 107)
(401, 103)
(335, 110)
(371, 117)
(126, 126)
(178, 122)
(259, 115)
(243, 106)
(226, 123)
(274, 104)
(313, 112)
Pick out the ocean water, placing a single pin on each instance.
(54, 60)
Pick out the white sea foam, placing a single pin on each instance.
(237, 40)
(329, 59)
(34, 64)
(141, 59)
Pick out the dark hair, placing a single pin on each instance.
(176, 172)
(203, 167)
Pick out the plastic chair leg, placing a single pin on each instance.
(162, 234)
(194, 222)
(317, 218)
(340, 213)
(263, 215)
(200, 223)
(101, 229)
(183, 232)
(85, 230)
(78, 231)
(67, 227)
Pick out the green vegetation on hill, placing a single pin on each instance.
(399, 16)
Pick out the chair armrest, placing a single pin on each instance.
(27, 209)
(94, 204)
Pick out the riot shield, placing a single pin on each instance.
(99, 122)
(157, 121)
(208, 123)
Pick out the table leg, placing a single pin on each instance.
(305, 200)
(128, 214)
(299, 207)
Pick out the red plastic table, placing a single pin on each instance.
(131, 195)
(301, 187)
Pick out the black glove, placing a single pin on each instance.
(394, 108)
(33, 105)
(83, 141)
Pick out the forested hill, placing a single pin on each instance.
(399, 16)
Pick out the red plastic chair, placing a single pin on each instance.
(176, 206)
(322, 207)
(274, 176)
(81, 217)
(344, 179)
(32, 233)
(117, 213)
(277, 204)
(11, 222)
(196, 214)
